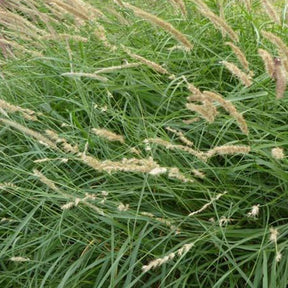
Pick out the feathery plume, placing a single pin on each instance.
(123, 207)
(254, 211)
(49, 183)
(240, 55)
(125, 165)
(243, 77)
(158, 171)
(158, 68)
(17, 46)
(76, 201)
(217, 21)
(46, 181)
(10, 108)
(160, 261)
(175, 173)
(5, 185)
(111, 136)
(161, 23)
(198, 174)
(207, 111)
(87, 75)
(190, 121)
(268, 61)
(100, 33)
(282, 48)
(278, 153)
(21, 21)
(87, 9)
(19, 259)
(171, 146)
(280, 75)
(38, 136)
(273, 235)
(270, 11)
(115, 68)
(230, 108)
(163, 221)
(204, 207)
(227, 150)
(64, 144)
(70, 9)
(181, 136)
(180, 5)
(64, 36)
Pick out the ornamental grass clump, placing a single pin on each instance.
(143, 143)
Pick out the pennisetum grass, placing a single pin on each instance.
(68, 213)
(161, 23)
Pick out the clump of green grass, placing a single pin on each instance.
(143, 143)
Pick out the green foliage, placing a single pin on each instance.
(79, 247)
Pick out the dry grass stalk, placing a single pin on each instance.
(221, 9)
(204, 156)
(64, 36)
(280, 75)
(277, 41)
(156, 67)
(227, 150)
(115, 68)
(179, 4)
(190, 121)
(163, 221)
(161, 23)
(64, 144)
(87, 9)
(204, 207)
(278, 153)
(270, 11)
(86, 75)
(243, 77)
(170, 146)
(38, 136)
(32, 11)
(268, 61)
(19, 259)
(62, 160)
(100, 33)
(240, 56)
(217, 21)
(46, 181)
(230, 108)
(160, 261)
(207, 110)
(17, 46)
(125, 165)
(76, 201)
(49, 183)
(181, 136)
(135, 150)
(70, 9)
(27, 113)
(18, 20)
(111, 136)
(175, 173)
